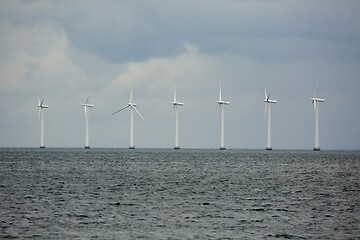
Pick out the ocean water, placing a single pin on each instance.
(186, 194)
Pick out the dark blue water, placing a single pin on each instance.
(186, 194)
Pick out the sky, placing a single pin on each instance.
(64, 51)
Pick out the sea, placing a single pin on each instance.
(56, 193)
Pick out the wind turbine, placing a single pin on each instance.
(176, 104)
(41, 107)
(268, 102)
(86, 105)
(221, 107)
(132, 108)
(315, 101)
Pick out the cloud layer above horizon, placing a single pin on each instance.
(65, 50)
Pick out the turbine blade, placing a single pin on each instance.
(219, 90)
(131, 93)
(138, 112)
(90, 89)
(42, 102)
(265, 94)
(121, 109)
(175, 93)
(38, 101)
(316, 86)
(87, 99)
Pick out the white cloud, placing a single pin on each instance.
(35, 55)
(190, 69)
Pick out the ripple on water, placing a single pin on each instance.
(191, 194)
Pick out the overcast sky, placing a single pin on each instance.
(59, 50)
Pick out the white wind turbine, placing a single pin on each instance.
(221, 107)
(268, 103)
(176, 104)
(132, 108)
(315, 101)
(86, 105)
(41, 107)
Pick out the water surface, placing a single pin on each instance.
(186, 194)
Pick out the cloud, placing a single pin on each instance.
(189, 68)
(20, 12)
(61, 50)
(35, 55)
(138, 30)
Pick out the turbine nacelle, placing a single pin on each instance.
(314, 99)
(223, 102)
(87, 105)
(177, 103)
(267, 98)
(269, 101)
(41, 104)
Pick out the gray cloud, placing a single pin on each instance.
(59, 50)
(276, 29)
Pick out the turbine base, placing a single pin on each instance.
(268, 148)
(177, 147)
(222, 148)
(132, 147)
(316, 149)
(42, 146)
(87, 147)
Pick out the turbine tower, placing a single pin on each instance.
(315, 101)
(86, 105)
(176, 104)
(132, 108)
(221, 107)
(41, 107)
(268, 102)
